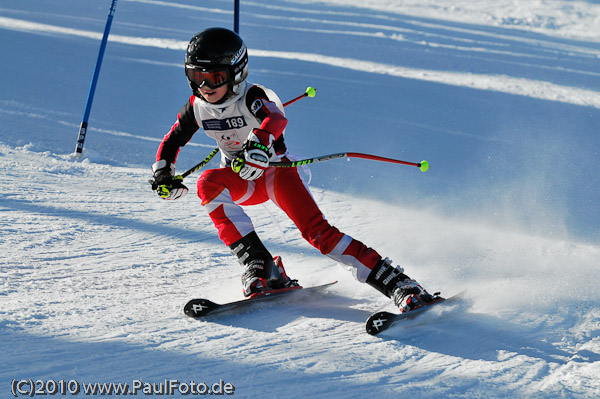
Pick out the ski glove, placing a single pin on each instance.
(254, 159)
(166, 186)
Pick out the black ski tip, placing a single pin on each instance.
(378, 322)
(199, 307)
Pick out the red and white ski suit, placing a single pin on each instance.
(223, 192)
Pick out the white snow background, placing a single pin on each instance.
(501, 97)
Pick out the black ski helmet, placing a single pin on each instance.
(216, 49)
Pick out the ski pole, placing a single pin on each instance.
(310, 92)
(199, 166)
(423, 165)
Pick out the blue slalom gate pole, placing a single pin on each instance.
(236, 16)
(90, 98)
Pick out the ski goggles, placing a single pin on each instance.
(212, 79)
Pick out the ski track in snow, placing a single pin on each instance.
(95, 269)
(505, 84)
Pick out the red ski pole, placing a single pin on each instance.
(310, 92)
(423, 165)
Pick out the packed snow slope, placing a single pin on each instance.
(501, 97)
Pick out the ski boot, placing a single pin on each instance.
(393, 283)
(262, 272)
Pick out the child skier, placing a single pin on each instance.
(248, 123)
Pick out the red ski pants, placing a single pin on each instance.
(223, 192)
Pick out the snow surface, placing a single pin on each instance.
(501, 97)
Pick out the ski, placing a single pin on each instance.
(200, 307)
(381, 321)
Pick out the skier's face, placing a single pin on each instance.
(213, 95)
